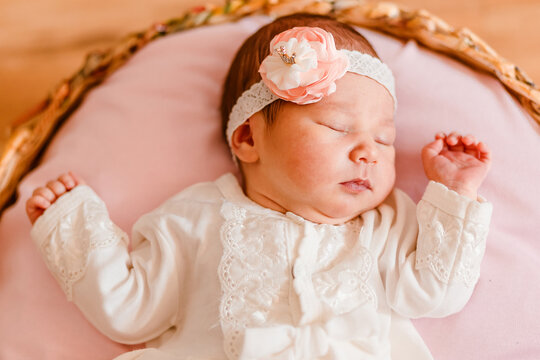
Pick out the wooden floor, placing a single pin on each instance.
(43, 41)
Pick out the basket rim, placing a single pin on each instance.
(31, 133)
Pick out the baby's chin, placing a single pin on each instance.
(335, 215)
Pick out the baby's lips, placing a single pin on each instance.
(357, 185)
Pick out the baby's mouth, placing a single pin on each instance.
(356, 186)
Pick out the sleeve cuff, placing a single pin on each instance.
(458, 205)
(61, 207)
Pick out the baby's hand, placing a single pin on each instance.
(460, 163)
(44, 196)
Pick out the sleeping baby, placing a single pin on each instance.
(312, 253)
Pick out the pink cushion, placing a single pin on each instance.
(153, 128)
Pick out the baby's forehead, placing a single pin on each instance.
(342, 115)
(358, 93)
(376, 111)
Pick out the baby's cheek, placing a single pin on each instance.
(313, 162)
(387, 177)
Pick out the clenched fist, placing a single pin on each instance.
(44, 196)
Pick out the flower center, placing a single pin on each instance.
(289, 60)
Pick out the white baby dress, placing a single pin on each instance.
(213, 275)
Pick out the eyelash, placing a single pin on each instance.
(377, 140)
(335, 129)
(384, 142)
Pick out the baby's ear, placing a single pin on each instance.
(243, 145)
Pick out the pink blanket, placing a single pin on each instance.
(153, 128)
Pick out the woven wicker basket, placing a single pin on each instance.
(30, 135)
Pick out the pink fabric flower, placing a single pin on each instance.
(303, 65)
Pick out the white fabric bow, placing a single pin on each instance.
(341, 338)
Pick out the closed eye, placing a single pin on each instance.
(335, 128)
(384, 141)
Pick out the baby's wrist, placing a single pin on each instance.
(471, 193)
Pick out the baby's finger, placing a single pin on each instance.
(485, 152)
(78, 180)
(469, 142)
(453, 139)
(67, 180)
(45, 192)
(440, 135)
(57, 187)
(35, 206)
(37, 202)
(454, 142)
(432, 149)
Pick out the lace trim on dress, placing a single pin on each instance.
(253, 272)
(345, 286)
(467, 269)
(458, 260)
(79, 233)
(331, 273)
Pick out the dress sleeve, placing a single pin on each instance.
(431, 262)
(130, 297)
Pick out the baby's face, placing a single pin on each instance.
(329, 161)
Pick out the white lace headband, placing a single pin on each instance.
(306, 75)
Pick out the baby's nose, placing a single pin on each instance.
(364, 152)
